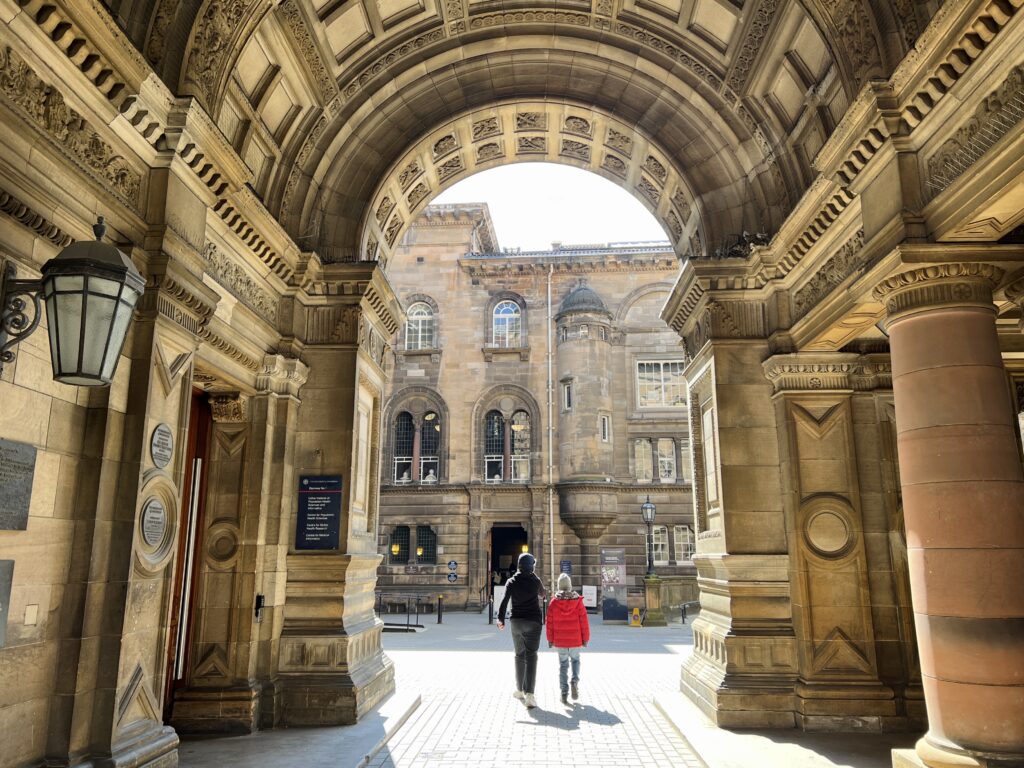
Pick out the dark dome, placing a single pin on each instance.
(582, 299)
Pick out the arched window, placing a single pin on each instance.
(494, 447)
(426, 545)
(430, 448)
(419, 327)
(508, 324)
(398, 547)
(520, 447)
(404, 432)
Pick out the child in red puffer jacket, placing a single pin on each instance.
(568, 631)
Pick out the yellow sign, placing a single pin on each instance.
(634, 619)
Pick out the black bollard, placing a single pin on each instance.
(440, 608)
(490, 611)
(683, 609)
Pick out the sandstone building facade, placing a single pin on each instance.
(853, 376)
(467, 449)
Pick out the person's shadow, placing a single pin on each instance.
(577, 713)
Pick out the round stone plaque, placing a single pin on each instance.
(828, 533)
(161, 445)
(154, 522)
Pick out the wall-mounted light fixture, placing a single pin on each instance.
(90, 289)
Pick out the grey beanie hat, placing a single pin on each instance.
(527, 562)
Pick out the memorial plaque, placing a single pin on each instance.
(161, 445)
(6, 577)
(154, 522)
(17, 469)
(319, 519)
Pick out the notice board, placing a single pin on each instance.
(319, 517)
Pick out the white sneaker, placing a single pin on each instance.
(529, 701)
(519, 695)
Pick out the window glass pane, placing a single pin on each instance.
(400, 537)
(520, 432)
(493, 467)
(494, 447)
(642, 455)
(430, 435)
(685, 545)
(605, 429)
(648, 384)
(567, 397)
(426, 541)
(403, 447)
(520, 468)
(507, 324)
(419, 327)
(666, 459)
(660, 545)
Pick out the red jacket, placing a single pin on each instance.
(568, 626)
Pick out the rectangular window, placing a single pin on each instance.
(685, 544)
(494, 467)
(660, 384)
(644, 463)
(426, 545)
(520, 468)
(667, 460)
(606, 429)
(398, 546)
(710, 460)
(660, 545)
(567, 397)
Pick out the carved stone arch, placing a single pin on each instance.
(421, 298)
(417, 401)
(519, 398)
(493, 302)
(168, 33)
(637, 295)
(847, 26)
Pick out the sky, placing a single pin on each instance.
(535, 204)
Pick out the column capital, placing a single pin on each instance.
(229, 407)
(824, 371)
(282, 375)
(941, 285)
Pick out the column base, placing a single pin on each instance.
(848, 707)
(217, 710)
(143, 744)
(927, 755)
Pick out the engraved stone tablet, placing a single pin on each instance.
(6, 577)
(161, 445)
(17, 468)
(154, 522)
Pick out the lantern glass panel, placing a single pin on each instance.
(68, 319)
(118, 331)
(99, 313)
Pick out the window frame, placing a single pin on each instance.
(648, 458)
(604, 428)
(398, 559)
(567, 396)
(423, 322)
(659, 539)
(688, 544)
(429, 556)
(668, 459)
(504, 338)
(643, 388)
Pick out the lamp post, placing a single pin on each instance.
(90, 289)
(647, 510)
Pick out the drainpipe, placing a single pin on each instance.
(551, 447)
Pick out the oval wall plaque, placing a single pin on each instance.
(161, 445)
(154, 522)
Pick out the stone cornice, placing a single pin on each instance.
(39, 224)
(204, 149)
(566, 265)
(179, 296)
(813, 372)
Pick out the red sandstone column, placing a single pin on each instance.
(417, 436)
(963, 496)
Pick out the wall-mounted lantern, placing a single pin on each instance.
(90, 289)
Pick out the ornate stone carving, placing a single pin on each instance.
(603, 7)
(325, 82)
(999, 113)
(645, 38)
(44, 106)
(225, 347)
(834, 271)
(382, 64)
(371, 248)
(953, 284)
(756, 31)
(453, 9)
(282, 375)
(229, 407)
(856, 34)
(529, 17)
(531, 121)
(808, 371)
(391, 233)
(489, 151)
(445, 145)
(648, 190)
(620, 141)
(162, 18)
(177, 302)
(656, 169)
(384, 209)
(24, 215)
(450, 167)
(531, 144)
(726, 320)
(614, 165)
(333, 325)
(682, 205)
(237, 281)
(674, 225)
(578, 125)
(575, 149)
(482, 129)
(409, 173)
(419, 192)
(213, 41)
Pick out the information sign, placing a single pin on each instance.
(17, 470)
(453, 577)
(452, 565)
(154, 522)
(613, 584)
(161, 445)
(566, 566)
(589, 596)
(319, 518)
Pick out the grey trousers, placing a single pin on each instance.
(526, 640)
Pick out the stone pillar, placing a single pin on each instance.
(963, 492)
(506, 449)
(417, 437)
(331, 667)
(655, 616)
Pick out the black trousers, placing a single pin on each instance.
(526, 639)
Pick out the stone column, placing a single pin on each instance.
(963, 492)
(417, 437)
(506, 450)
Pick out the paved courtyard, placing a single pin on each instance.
(463, 670)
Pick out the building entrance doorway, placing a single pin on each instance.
(507, 543)
(193, 499)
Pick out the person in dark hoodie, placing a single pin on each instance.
(568, 631)
(524, 589)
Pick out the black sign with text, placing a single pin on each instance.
(319, 519)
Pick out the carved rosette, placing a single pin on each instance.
(934, 287)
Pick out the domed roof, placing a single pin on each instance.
(582, 299)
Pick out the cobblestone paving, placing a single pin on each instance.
(464, 671)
